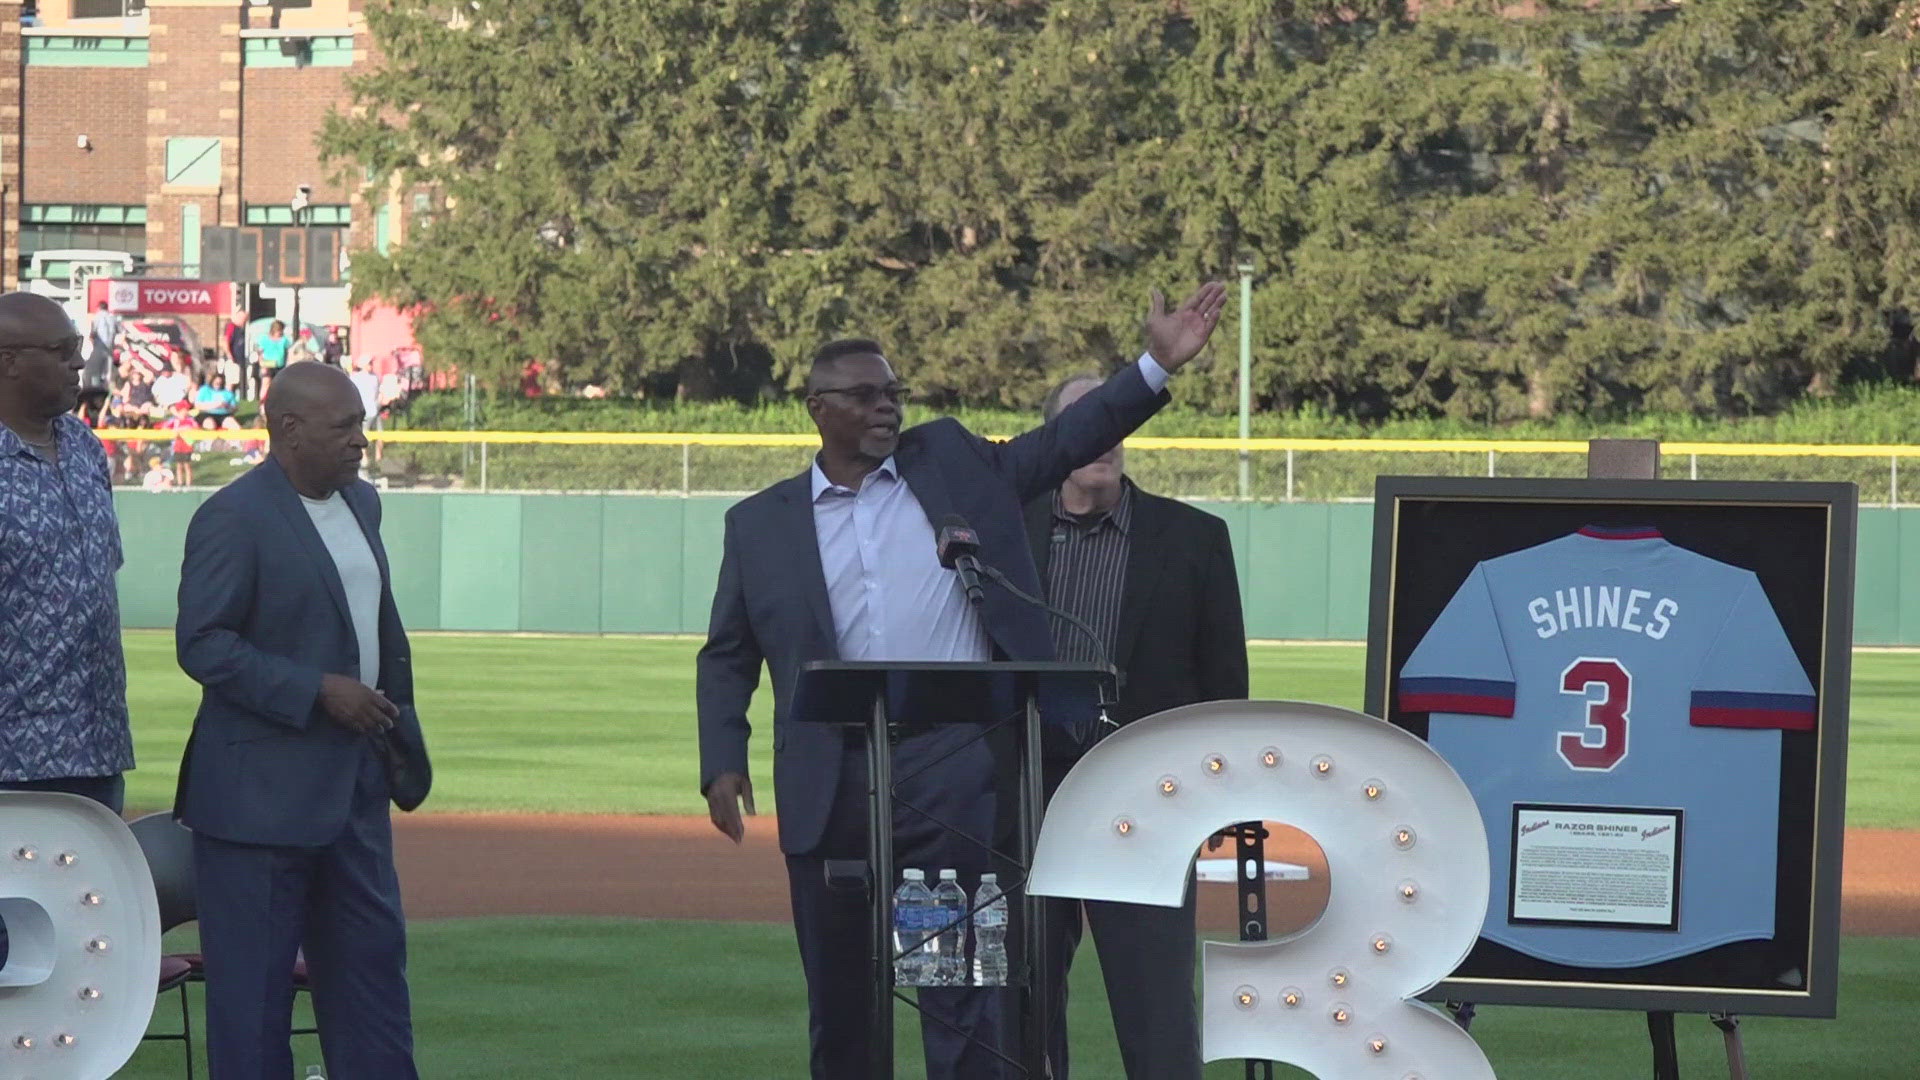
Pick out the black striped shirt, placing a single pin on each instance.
(1086, 566)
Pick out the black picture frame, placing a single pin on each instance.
(1429, 532)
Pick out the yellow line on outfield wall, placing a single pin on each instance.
(1366, 446)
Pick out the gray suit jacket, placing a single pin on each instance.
(262, 616)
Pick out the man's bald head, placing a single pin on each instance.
(39, 358)
(31, 319)
(315, 416)
(305, 389)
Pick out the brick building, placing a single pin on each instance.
(127, 125)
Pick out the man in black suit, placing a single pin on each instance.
(1154, 579)
(839, 563)
(306, 730)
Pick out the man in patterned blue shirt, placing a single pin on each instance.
(63, 680)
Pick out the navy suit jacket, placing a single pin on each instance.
(771, 602)
(263, 616)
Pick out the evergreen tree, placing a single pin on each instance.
(1460, 208)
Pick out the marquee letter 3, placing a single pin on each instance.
(1406, 854)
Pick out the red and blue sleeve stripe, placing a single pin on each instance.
(1737, 709)
(1473, 697)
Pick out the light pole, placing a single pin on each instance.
(1246, 370)
(302, 206)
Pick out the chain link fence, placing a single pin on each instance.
(1268, 470)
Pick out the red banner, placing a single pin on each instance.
(140, 296)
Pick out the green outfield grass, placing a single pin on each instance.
(606, 725)
(689, 1001)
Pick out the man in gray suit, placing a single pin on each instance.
(305, 731)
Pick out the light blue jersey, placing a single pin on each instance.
(1610, 668)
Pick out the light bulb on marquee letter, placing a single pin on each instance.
(83, 952)
(1406, 858)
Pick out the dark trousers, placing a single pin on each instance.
(833, 925)
(1147, 960)
(108, 791)
(260, 905)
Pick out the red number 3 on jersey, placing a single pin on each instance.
(1602, 744)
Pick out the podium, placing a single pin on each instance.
(883, 699)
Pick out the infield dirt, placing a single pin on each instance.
(463, 865)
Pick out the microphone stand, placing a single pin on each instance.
(1101, 654)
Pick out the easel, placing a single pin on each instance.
(1639, 459)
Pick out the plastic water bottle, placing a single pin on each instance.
(951, 954)
(990, 933)
(913, 919)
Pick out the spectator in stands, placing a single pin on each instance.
(101, 335)
(213, 400)
(170, 389)
(270, 354)
(236, 343)
(140, 404)
(121, 413)
(304, 347)
(368, 384)
(180, 450)
(393, 390)
(253, 451)
(216, 446)
(158, 477)
(92, 407)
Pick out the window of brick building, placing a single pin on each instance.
(193, 161)
(110, 9)
(71, 227)
(322, 214)
(86, 51)
(298, 51)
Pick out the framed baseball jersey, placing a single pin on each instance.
(1643, 683)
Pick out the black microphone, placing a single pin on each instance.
(959, 550)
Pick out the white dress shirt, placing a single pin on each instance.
(891, 598)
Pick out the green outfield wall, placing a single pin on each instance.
(621, 564)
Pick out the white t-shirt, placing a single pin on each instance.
(369, 386)
(359, 574)
(170, 388)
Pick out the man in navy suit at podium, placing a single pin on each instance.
(839, 563)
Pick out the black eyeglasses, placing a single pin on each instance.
(868, 394)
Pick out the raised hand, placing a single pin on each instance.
(1177, 336)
